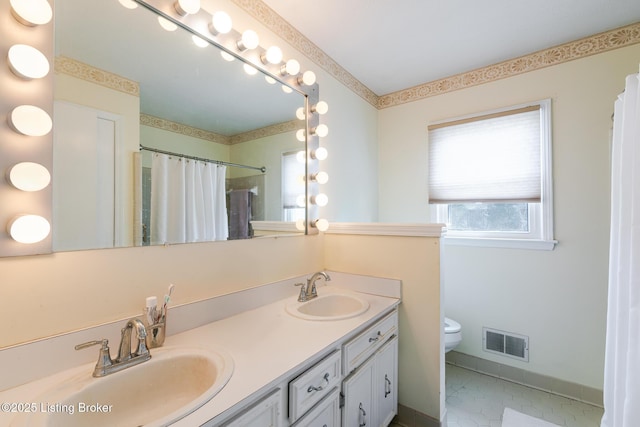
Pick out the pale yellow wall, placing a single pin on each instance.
(415, 261)
(183, 144)
(556, 298)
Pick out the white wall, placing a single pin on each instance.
(557, 298)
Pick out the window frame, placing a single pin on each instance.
(540, 236)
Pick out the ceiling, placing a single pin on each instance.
(393, 45)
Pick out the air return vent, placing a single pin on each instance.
(505, 343)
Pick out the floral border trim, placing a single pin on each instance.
(599, 43)
(266, 131)
(168, 125)
(86, 72)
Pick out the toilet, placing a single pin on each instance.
(452, 334)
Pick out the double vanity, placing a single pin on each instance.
(274, 355)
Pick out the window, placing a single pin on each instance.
(490, 177)
(293, 186)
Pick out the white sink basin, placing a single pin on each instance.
(172, 384)
(329, 307)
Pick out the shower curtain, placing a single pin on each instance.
(188, 201)
(622, 356)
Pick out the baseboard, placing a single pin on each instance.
(552, 385)
(408, 417)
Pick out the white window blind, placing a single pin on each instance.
(293, 187)
(491, 158)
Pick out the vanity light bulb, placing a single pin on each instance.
(320, 108)
(286, 89)
(320, 153)
(273, 55)
(27, 62)
(300, 113)
(220, 23)
(321, 130)
(31, 12)
(300, 224)
(185, 7)
(320, 199)
(308, 78)
(300, 201)
(301, 157)
(291, 67)
(30, 120)
(129, 4)
(300, 135)
(28, 228)
(199, 41)
(166, 24)
(250, 69)
(270, 80)
(249, 40)
(321, 224)
(227, 56)
(28, 176)
(321, 177)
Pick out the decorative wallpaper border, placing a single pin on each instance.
(168, 125)
(276, 129)
(86, 72)
(608, 40)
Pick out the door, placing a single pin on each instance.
(386, 381)
(359, 395)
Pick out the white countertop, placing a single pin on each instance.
(267, 346)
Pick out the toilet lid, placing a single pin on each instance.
(451, 326)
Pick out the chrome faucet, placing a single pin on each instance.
(309, 291)
(126, 358)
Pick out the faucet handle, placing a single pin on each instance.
(303, 291)
(104, 343)
(104, 358)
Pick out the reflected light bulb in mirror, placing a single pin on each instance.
(129, 4)
(308, 78)
(320, 199)
(320, 153)
(27, 62)
(28, 228)
(321, 224)
(273, 55)
(300, 224)
(286, 89)
(199, 41)
(301, 157)
(31, 12)
(320, 130)
(300, 201)
(30, 120)
(28, 176)
(321, 177)
(249, 40)
(250, 69)
(227, 56)
(300, 135)
(166, 24)
(320, 108)
(291, 67)
(185, 7)
(270, 80)
(220, 23)
(300, 113)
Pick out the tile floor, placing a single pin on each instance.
(477, 400)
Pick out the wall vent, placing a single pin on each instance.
(505, 343)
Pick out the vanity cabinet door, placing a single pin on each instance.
(265, 413)
(326, 414)
(359, 396)
(387, 382)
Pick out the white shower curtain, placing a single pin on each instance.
(188, 200)
(622, 357)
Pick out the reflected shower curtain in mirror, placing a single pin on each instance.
(188, 200)
(622, 355)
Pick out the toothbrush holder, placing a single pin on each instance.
(156, 332)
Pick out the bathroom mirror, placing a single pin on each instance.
(124, 80)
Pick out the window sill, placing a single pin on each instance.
(539, 245)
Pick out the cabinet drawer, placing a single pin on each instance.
(315, 383)
(364, 345)
(325, 414)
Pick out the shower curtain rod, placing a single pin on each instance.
(218, 162)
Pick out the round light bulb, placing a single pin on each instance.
(320, 199)
(286, 89)
(28, 176)
(220, 23)
(321, 224)
(30, 120)
(31, 12)
(300, 113)
(320, 153)
(300, 135)
(27, 62)
(308, 78)
(321, 130)
(300, 224)
(300, 201)
(249, 40)
(270, 80)
(321, 177)
(166, 24)
(186, 7)
(129, 4)
(273, 55)
(301, 157)
(250, 69)
(320, 108)
(28, 228)
(227, 56)
(291, 67)
(199, 41)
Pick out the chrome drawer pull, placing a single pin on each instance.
(320, 387)
(387, 386)
(362, 420)
(376, 338)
